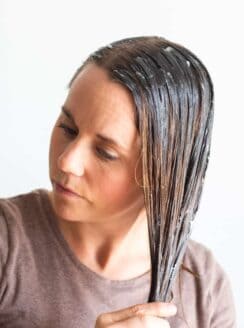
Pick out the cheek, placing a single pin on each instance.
(119, 189)
(115, 188)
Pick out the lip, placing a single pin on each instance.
(65, 191)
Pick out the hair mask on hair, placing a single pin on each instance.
(173, 93)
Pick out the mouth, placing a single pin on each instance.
(65, 191)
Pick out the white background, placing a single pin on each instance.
(43, 42)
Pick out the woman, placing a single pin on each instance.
(109, 245)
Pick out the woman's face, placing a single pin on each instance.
(82, 159)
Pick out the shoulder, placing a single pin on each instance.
(21, 218)
(208, 278)
(14, 209)
(201, 261)
(16, 216)
(4, 241)
(13, 204)
(200, 258)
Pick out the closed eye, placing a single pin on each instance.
(105, 156)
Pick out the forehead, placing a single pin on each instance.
(100, 105)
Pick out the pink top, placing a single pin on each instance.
(43, 284)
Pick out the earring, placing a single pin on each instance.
(135, 172)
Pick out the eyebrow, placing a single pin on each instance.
(68, 114)
(105, 139)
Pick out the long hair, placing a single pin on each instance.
(173, 94)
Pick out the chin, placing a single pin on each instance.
(67, 212)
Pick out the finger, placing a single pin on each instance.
(154, 308)
(141, 321)
(158, 309)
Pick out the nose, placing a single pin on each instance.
(72, 159)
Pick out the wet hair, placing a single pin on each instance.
(173, 94)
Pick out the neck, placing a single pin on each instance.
(117, 249)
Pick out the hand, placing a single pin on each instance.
(141, 315)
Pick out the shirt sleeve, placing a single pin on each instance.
(222, 307)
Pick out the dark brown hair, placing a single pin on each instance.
(173, 94)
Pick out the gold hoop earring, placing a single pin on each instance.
(135, 172)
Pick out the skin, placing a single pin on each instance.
(149, 315)
(107, 226)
